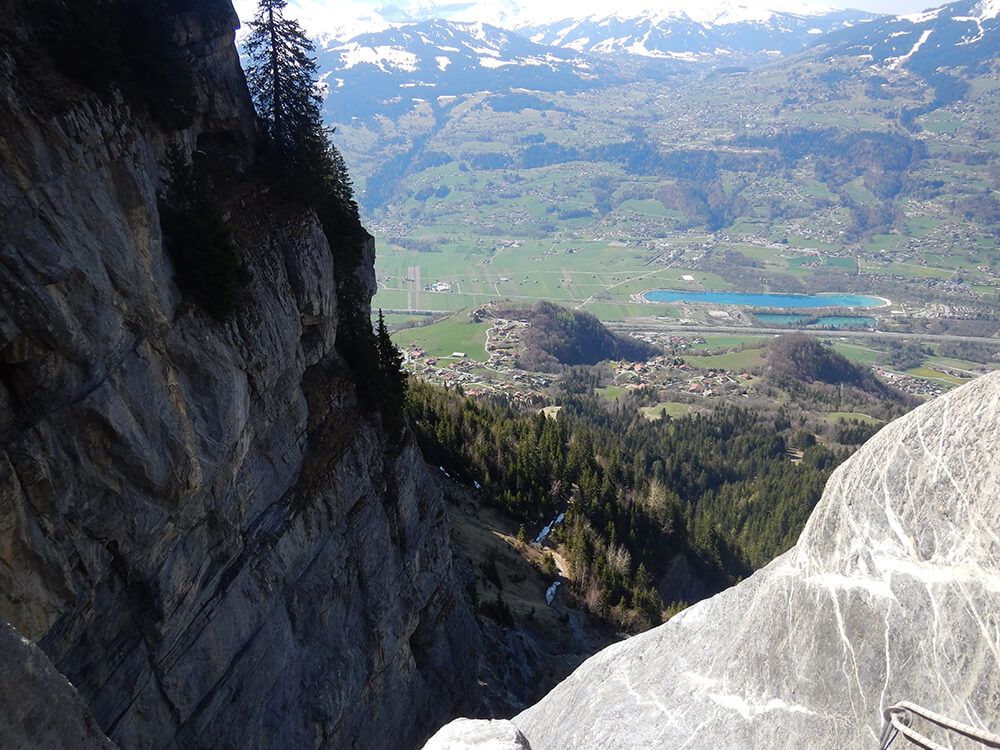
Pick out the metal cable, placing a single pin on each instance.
(897, 723)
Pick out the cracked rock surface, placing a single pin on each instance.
(892, 593)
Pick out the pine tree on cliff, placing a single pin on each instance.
(283, 80)
(282, 76)
(392, 379)
(390, 360)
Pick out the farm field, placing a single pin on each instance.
(444, 338)
(672, 409)
(836, 416)
(611, 392)
(746, 359)
(534, 203)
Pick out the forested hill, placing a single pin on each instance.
(805, 359)
(657, 514)
(559, 336)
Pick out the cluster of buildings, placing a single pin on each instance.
(668, 372)
(909, 384)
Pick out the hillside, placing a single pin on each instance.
(882, 600)
(559, 336)
(799, 357)
(655, 514)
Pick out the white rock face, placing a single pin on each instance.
(892, 593)
(466, 734)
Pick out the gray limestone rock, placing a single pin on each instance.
(201, 525)
(892, 593)
(40, 709)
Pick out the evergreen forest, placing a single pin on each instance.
(657, 514)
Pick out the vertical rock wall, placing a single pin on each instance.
(200, 525)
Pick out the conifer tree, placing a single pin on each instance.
(282, 76)
(283, 80)
(198, 239)
(391, 379)
(390, 359)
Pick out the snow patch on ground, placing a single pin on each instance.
(687, 56)
(544, 533)
(352, 54)
(550, 594)
(923, 16)
(492, 62)
(896, 63)
(977, 37)
(610, 44)
(489, 51)
(987, 10)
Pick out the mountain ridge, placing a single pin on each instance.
(736, 32)
(959, 34)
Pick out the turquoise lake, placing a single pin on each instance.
(829, 321)
(774, 300)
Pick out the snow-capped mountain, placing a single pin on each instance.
(736, 31)
(385, 71)
(506, 14)
(962, 34)
(639, 26)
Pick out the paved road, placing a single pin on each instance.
(648, 324)
(655, 325)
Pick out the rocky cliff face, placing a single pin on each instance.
(44, 710)
(892, 593)
(200, 525)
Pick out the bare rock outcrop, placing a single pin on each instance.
(485, 734)
(201, 524)
(38, 705)
(892, 593)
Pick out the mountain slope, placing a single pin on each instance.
(734, 32)
(963, 34)
(382, 73)
(889, 595)
(38, 705)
